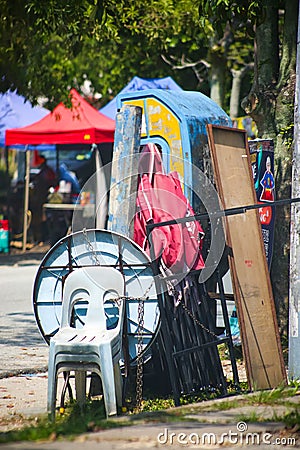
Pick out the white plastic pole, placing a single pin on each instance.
(294, 291)
(26, 198)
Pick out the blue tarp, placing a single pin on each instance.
(16, 112)
(140, 84)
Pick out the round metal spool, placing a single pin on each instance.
(103, 248)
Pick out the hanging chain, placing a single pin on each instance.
(90, 247)
(192, 316)
(189, 312)
(139, 368)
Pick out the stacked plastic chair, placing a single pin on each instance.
(94, 347)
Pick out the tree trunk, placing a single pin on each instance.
(284, 118)
(237, 78)
(261, 101)
(217, 77)
(271, 105)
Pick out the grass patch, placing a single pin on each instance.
(73, 422)
(274, 396)
(292, 419)
(248, 418)
(224, 405)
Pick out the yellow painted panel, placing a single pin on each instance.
(164, 123)
(140, 103)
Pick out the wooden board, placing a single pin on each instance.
(248, 265)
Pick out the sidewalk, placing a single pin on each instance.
(16, 256)
(22, 348)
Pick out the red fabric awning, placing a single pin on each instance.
(81, 124)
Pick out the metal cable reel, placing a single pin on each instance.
(103, 248)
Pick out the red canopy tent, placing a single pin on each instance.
(81, 124)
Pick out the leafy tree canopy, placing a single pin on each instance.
(48, 46)
(44, 45)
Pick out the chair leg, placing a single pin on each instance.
(80, 387)
(52, 388)
(108, 380)
(118, 384)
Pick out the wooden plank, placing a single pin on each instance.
(248, 265)
(124, 176)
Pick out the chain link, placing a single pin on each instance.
(90, 247)
(189, 312)
(192, 316)
(139, 368)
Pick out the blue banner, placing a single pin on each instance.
(262, 162)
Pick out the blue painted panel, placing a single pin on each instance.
(184, 104)
(194, 111)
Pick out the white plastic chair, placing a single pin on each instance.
(93, 347)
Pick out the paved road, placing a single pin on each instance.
(22, 348)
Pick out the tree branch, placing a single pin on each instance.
(185, 64)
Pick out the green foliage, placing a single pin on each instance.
(292, 419)
(273, 396)
(46, 47)
(220, 12)
(252, 417)
(39, 39)
(157, 404)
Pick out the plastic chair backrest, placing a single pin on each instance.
(94, 284)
